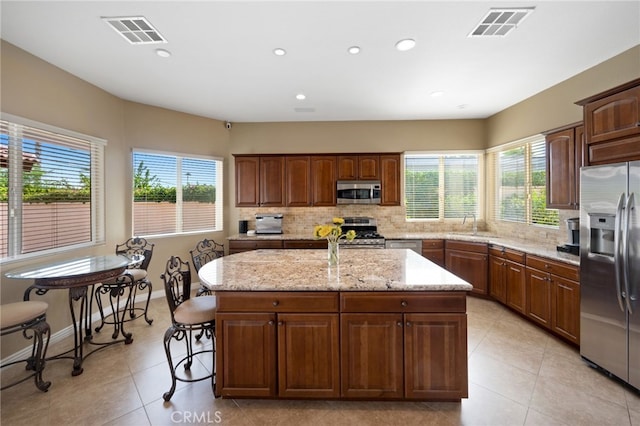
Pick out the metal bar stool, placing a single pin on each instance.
(28, 317)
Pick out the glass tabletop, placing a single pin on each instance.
(72, 267)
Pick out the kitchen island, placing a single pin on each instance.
(383, 324)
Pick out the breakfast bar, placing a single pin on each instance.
(382, 324)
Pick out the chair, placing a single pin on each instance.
(28, 316)
(188, 315)
(205, 251)
(134, 278)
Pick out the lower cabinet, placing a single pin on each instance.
(468, 260)
(352, 345)
(238, 246)
(434, 251)
(507, 277)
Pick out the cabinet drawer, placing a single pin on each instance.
(554, 267)
(274, 301)
(507, 253)
(305, 244)
(432, 244)
(466, 246)
(403, 302)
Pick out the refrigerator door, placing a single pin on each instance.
(603, 315)
(633, 265)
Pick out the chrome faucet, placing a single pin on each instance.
(475, 223)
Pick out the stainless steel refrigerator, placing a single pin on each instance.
(610, 269)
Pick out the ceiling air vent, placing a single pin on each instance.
(500, 22)
(136, 30)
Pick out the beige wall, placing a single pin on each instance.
(34, 89)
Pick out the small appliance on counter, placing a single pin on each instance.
(573, 230)
(243, 226)
(268, 223)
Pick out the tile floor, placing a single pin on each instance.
(518, 375)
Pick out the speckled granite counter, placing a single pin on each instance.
(307, 270)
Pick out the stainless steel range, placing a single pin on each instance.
(366, 233)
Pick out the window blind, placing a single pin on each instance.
(175, 194)
(51, 189)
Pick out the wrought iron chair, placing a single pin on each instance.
(188, 315)
(134, 278)
(205, 251)
(28, 316)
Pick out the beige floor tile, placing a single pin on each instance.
(633, 400)
(506, 380)
(535, 418)
(525, 356)
(635, 417)
(135, 418)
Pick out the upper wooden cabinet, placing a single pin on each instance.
(272, 181)
(612, 124)
(298, 181)
(564, 158)
(323, 180)
(358, 167)
(390, 180)
(247, 181)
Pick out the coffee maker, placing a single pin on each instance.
(573, 236)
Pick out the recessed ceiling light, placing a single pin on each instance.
(437, 93)
(354, 50)
(279, 51)
(301, 96)
(405, 44)
(163, 53)
(462, 106)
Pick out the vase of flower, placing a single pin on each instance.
(333, 253)
(333, 233)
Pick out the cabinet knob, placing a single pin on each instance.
(547, 266)
(276, 303)
(270, 322)
(408, 324)
(280, 323)
(404, 303)
(399, 324)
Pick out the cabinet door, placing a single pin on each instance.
(497, 286)
(368, 167)
(561, 170)
(566, 308)
(538, 297)
(390, 180)
(308, 355)
(247, 181)
(435, 360)
(246, 354)
(348, 167)
(272, 181)
(581, 158)
(372, 355)
(613, 117)
(298, 181)
(515, 282)
(471, 267)
(323, 180)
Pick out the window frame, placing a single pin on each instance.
(480, 156)
(179, 156)
(96, 147)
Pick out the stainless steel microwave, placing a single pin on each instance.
(358, 192)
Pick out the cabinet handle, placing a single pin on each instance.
(399, 324)
(408, 324)
(276, 303)
(270, 322)
(280, 323)
(547, 266)
(404, 303)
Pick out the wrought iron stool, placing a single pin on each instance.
(188, 315)
(29, 316)
(204, 252)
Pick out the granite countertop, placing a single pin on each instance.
(307, 270)
(484, 237)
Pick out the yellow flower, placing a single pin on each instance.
(333, 232)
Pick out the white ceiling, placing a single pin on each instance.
(222, 65)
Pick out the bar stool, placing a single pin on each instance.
(29, 316)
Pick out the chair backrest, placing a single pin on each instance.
(177, 282)
(136, 246)
(206, 251)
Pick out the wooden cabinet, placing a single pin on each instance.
(323, 180)
(298, 180)
(553, 296)
(347, 167)
(238, 246)
(272, 189)
(564, 149)
(390, 180)
(612, 124)
(434, 251)
(401, 346)
(468, 260)
(260, 181)
(507, 277)
(305, 244)
(247, 181)
(278, 344)
(358, 167)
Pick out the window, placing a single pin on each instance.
(175, 194)
(520, 178)
(442, 186)
(51, 189)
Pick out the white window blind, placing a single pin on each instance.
(175, 194)
(51, 188)
(520, 183)
(441, 186)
